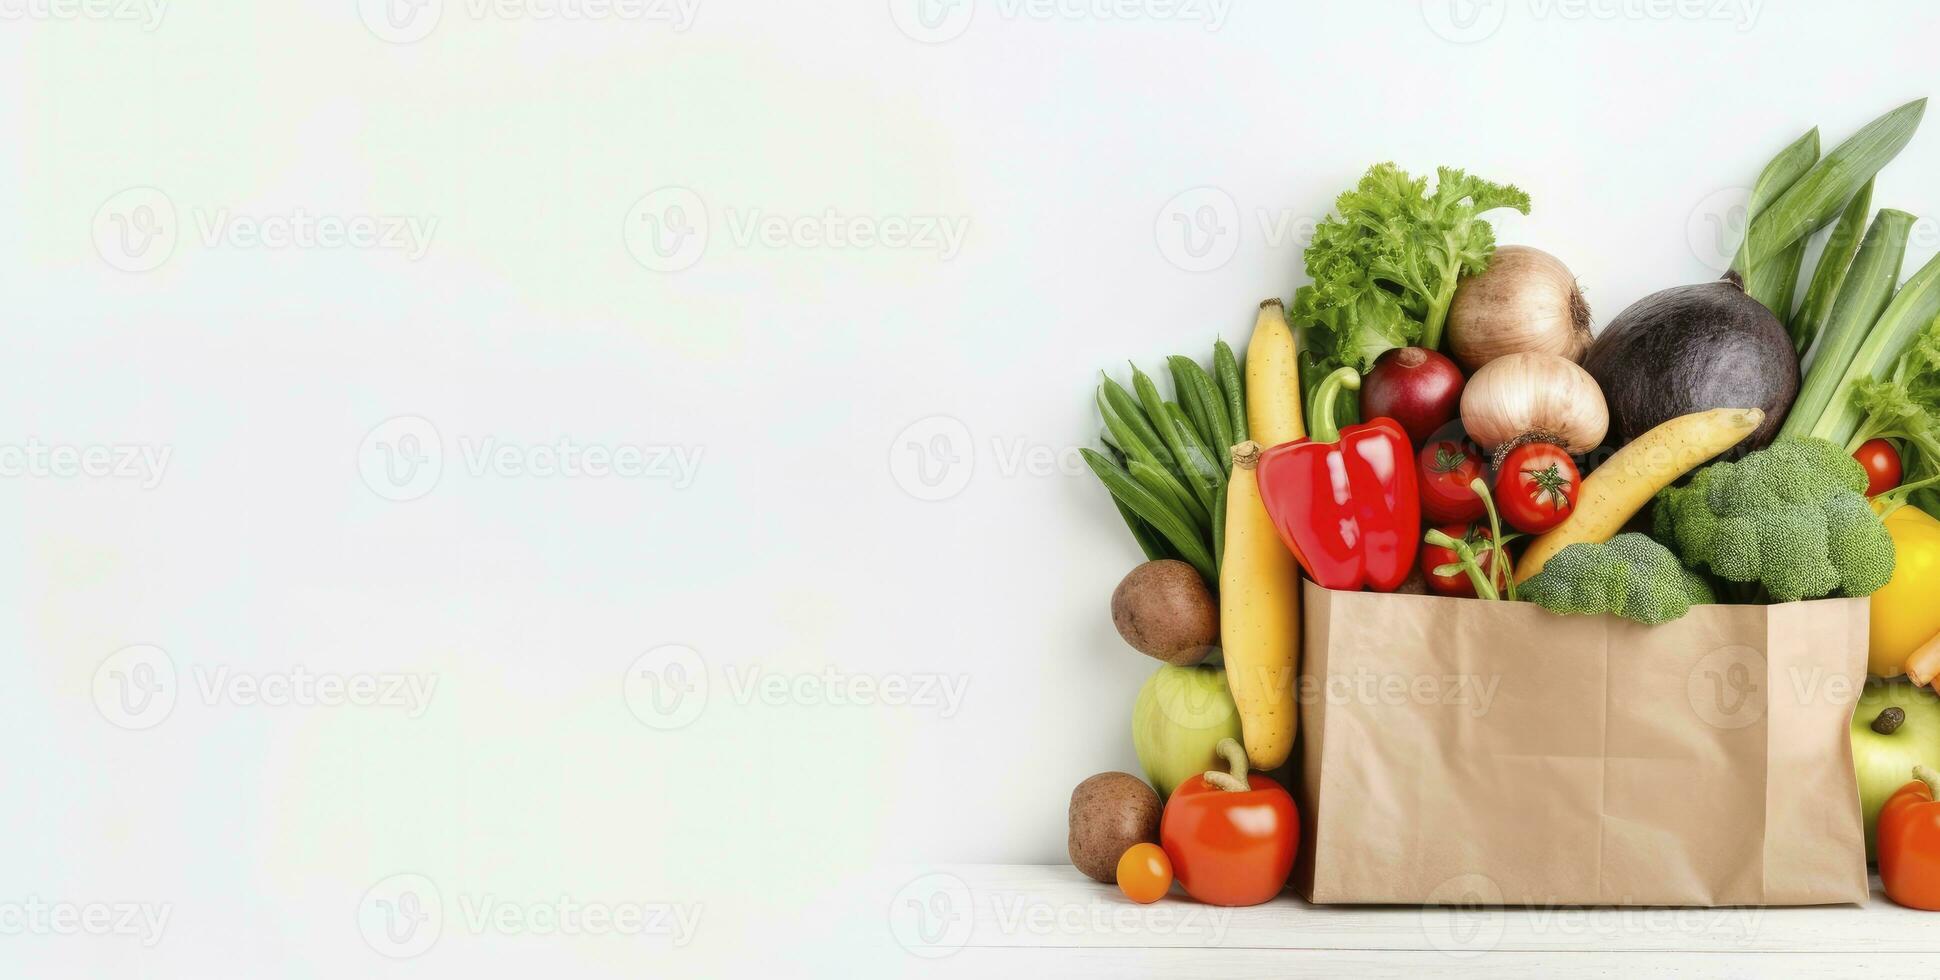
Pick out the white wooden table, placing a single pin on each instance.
(1027, 921)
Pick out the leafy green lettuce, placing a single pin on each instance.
(1386, 263)
(1905, 407)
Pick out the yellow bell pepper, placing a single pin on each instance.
(1906, 614)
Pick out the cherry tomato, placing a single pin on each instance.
(1445, 468)
(1882, 463)
(1144, 873)
(1536, 487)
(1457, 583)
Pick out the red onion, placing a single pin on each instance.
(1414, 386)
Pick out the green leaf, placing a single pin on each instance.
(1385, 265)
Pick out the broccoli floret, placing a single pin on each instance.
(1630, 575)
(1792, 517)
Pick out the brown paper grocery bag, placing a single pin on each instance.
(1455, 750)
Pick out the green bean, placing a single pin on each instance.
(1219, 529)
(1174, 442)
(1188, 396)
(1128, 409)
(1149, 508)
(1167, 488)
(1227, 367)
(1205, 476)
(1128, 440)
(1148, 540)
(1220, 439)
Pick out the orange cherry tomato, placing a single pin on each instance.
(1144, 873)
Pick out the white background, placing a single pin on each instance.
(812, 387)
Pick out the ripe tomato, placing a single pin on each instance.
(1882, 463)
(1536, 487)
(1457, 583)
(1144, 873)
(1445, 468)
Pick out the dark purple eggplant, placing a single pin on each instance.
(1692, 349)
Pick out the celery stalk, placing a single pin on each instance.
(1916, 305)
(1775, 281)
(1867, 290)
(1815, 199)
(1812, 314)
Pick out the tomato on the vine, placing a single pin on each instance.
(1445, 468)
(1882, 463)
(1536, 487)
(1457, 582)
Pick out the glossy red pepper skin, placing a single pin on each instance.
(1231, 848)
(1909, 844)
(1350, 511)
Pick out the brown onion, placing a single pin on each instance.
(1527, 300)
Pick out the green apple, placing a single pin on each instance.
(1180, 715)
(1887, 744)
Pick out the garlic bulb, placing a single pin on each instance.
(1526, 300)
(1529, 397)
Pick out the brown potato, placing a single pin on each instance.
(1109, 813)
(1164, 610)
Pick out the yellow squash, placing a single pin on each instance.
(1259, 582)
(1627, 480)
(1906, 613)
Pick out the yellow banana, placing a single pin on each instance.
(1627, 480)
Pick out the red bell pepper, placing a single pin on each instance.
(1231, 836)
(1345, 500)
(1909, 843)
